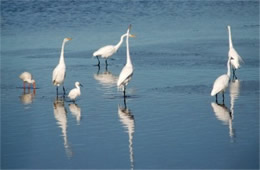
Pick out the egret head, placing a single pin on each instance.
(228, 26)
(129, 27)
(77, 84)
(132, 36)
(67, 39)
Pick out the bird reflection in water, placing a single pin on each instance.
(234, 90)
(60, 114)
(27, 96)
(127, 120)
(106, 78)
(223, 114)
(75, 111)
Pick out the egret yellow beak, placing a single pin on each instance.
(131, 35)
(69, 38)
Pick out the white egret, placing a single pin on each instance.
(235, 63)
(59, 73)
(108, 50)
(74, 93)
(26, 77)
(221, 83)
(127, 71)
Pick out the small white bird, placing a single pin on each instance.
(107, 51)
(221, 83)
(235, 63)
(127, 71)
(59, 73)
(74, 93)
(26, 77)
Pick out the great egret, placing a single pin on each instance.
(107, 51)
(26, 77)
(221, 83)
(127, 71)
(59, 73)
(74, 93)
(233, 53)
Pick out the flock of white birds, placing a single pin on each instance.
(59, 72)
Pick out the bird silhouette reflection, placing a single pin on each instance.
(60, 114)
(127, 119)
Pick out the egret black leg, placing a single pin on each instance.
(98, 62)
(125, 102)
(234, 74)
(106, 64)
(223, 97)
(57, 90)
(64, 92)
(216, 98)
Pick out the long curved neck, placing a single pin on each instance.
(120, 42)
(62, 53)
(230, 38)
(128, 58)
(228, 67)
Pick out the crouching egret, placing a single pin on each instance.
(108, 50)
(59, 73)
(74, 93)
(127, 71)
(221, 83)
(26, 77)
(235, 63)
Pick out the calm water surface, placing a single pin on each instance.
(169, 119)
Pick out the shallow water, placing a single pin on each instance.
(169, 119)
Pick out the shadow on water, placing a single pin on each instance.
(126, 117)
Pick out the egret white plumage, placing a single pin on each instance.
(127, 71)
(235, 63)
(108, 50)
(221, 83)
(26, 77)
(59, 73)
(74, 93)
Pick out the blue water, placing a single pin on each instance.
(169, 120)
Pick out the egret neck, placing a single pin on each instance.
(120, 42)
(62, 53)
(230, 38)
(228, 67)
(128, 60)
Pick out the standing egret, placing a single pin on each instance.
(59, 73)
(26, 77)
(127, 71)
(74, 93)
(221, 83)
(108, 50)
(233, 53)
